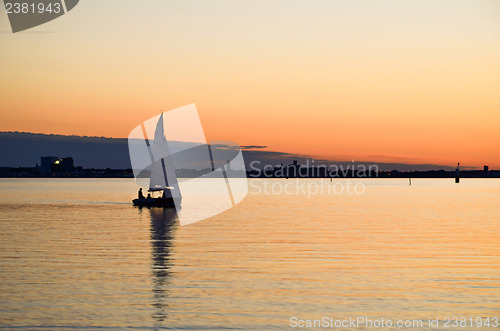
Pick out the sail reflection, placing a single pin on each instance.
(163, 223)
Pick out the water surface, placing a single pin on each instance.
(75, 254)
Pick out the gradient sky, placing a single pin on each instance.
(391, 81)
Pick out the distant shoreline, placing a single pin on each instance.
(33, 172)
(24, 149)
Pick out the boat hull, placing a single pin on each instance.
(155, 202)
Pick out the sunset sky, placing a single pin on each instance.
(390, 81)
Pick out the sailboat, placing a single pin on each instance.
(162, 178)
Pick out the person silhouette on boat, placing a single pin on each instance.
(140, 195)
(149, 196)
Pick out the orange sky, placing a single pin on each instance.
(396, 81)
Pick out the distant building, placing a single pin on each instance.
(64, 165)
(54, 165)
(46, 164)
(486, 169)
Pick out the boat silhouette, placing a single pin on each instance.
(162, 178)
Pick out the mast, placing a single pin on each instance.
(162, 170)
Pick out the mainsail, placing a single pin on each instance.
(162, 170)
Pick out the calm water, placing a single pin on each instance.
(74, 254)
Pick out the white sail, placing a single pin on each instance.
(162, 170)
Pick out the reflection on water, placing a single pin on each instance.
(76, 255)
(163, 223)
